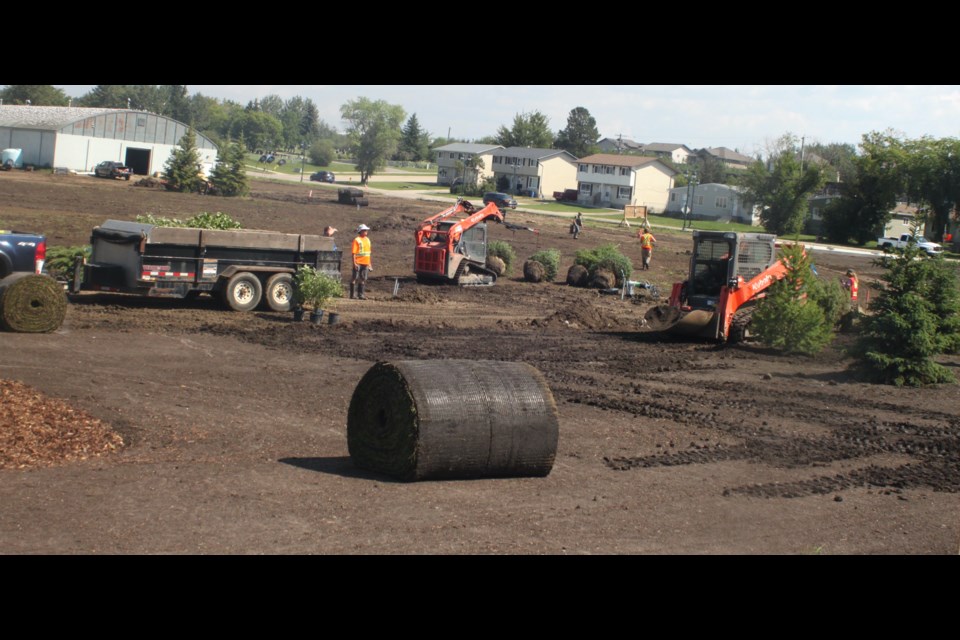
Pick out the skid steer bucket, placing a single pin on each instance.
(668, 319)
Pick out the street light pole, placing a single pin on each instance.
(303, 153)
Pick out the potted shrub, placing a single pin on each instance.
(315, 289)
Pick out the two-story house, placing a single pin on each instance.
(452, 161)
(712, 201)
(619, 145)
(727, 156)
(609, 180)
(534, 172)
(676, 153)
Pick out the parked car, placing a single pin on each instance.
(323, 176)
(112, 169)
(502, 200)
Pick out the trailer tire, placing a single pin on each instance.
(243, 292)
(278, 293)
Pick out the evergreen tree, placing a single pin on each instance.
(914, 319)
(229, 177)
(181, 169)
(414, 141)
(786, 319)
(581, 134)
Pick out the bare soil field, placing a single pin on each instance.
(234, 425)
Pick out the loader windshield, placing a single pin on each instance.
(711, 266)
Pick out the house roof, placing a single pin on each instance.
(468, 147)
(537, 154)
(728, 155)
(617, 160)
(624, 143)
(664, 146)
(48, 118)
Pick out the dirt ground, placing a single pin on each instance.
(235, 424)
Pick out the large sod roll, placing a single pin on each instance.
(31, 303)
(433, 419)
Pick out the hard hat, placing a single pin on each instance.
(850, 272)
(363, 227)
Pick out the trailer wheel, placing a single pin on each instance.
(243, 292)
(279, 292)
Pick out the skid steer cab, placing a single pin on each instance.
(729, 273)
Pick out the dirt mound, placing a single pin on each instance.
(587, 316)
(38, 431)
(419, 295)
(150, 183)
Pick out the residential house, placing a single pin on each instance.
(713, 201)
(451, 159)
(677, 153)
(619, 145)
(903, 218)
(610, 180)
(816, 205)
(536, 172)
(727, 156)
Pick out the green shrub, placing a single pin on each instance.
(830, 296)
(315, 288)
(608, 257)
(550, 259)
(59, 261)
(502, 250)
(203, 220)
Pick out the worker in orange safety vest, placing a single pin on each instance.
(646, 245)
(361, 261)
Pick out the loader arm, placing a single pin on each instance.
(738, 293)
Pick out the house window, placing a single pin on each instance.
(699, 200)
(585, 168)
(624, 193)
(586, 189)
(609, 170)
(721, 202)
(673, 197)
(597, 168)
(624, 171)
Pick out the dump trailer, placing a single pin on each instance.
(245, 268)
(729, 273)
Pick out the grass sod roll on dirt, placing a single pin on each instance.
(31, 303)
(440, 419)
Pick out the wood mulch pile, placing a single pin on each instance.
(39, 431)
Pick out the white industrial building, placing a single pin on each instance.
(80, 138)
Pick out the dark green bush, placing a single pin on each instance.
(550, 259)
(504, 251)
(608, 257)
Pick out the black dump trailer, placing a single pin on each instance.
(245, 268)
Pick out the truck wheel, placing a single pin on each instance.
(279, 292)
(243, 292)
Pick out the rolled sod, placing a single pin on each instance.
(31, 303)
(439, 419)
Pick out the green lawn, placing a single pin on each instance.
(417, 186)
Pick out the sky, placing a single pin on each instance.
(742, 117)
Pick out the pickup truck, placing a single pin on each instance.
(21, 252)
(931, 248)
(112, 169)
(567, 195)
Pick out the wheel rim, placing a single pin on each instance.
(243, 292)
(283, 293)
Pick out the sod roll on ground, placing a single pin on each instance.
(31, 303)
(439, 419)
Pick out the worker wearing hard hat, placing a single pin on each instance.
(361, 261)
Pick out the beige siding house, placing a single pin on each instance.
(450, 159)
(609, 180)
(526, 171)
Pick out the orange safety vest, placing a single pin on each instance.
(854, 288)
(647, 240)
(361, 250)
